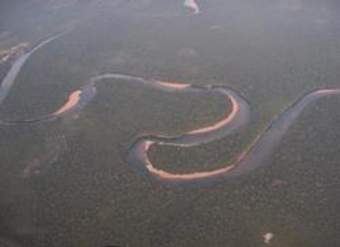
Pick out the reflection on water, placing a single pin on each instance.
(192, 5)
(67, 182)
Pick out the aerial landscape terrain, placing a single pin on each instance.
(155, 123)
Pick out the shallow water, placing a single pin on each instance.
(78, 189)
